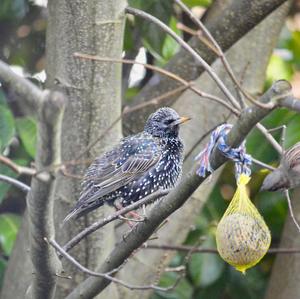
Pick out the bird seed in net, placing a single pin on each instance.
(242, 235)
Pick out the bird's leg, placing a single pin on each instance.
(131, 219)
(118, 207)
(135, 216)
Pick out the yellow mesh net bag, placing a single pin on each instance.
(242, 235)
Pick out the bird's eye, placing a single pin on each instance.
(168, 121)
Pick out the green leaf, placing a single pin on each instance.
(214, 290)
(170, 46)
(292, 131)
(183, 290)
(128, 38)
(9, 226)
(152, 36)
(278, 68)
(3, 264)
(206, 268)
(274, 210)
(292, 42)
(26, 128)
(192, 3)
(249, 286)
(4, 187)
(2, 97)
(256, 144)
(7, 127)
(11, 9)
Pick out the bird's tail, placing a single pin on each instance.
(73, 214)
(80, 210)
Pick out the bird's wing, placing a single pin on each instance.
(129, 160)
(292, 157)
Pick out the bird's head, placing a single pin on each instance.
(275, 181)
(164, 123)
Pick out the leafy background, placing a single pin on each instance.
(22, 40)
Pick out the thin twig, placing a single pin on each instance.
(23, 187)
(129, 61)
(262, 164)
(108, 274)
(173, 76)
(187, 47)
(270, 138)
(31, 94)
(218, 50)
(185, 248)
(287, 195)
(290, 103)
(95, 226)
(17, 168)
(282, 135)
(155, 100)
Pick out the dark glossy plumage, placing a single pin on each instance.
(287, 175)
(138, 166)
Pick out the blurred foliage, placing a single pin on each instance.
(7, 127)
(9, 224)
(26, 128)
(17, 142)
(22, 40)
(22, 34)
(13, 9)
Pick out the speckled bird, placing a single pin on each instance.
(138, 166)
(287, 175)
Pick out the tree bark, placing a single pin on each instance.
(94, 90)
(94, 93)
(284, 281)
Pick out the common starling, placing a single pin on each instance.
(138, 166)
(287, 175)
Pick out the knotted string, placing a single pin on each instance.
(242, 160)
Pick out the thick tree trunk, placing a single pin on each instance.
(94, 101)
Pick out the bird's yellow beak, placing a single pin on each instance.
(182, 120)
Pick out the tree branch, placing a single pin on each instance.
(185, 248)
(187, 47)
(95, 226)
(237, 19)
(218, 50)
(40, 199)
(290, 102)
(172, 76)
(176, 198)
(31, 94)
(17, 168)
(23, 187)
(108, 275)
(287, 195)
